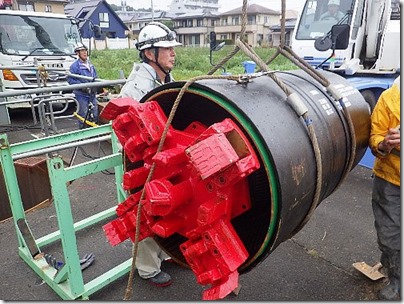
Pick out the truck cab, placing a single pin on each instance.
(371, 58)
(36, 50)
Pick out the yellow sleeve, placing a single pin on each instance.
(379, 123)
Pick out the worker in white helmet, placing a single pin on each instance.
(156, 50)
(86, 97)
(333, 12)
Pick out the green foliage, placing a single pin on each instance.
(169, 24)
(227, 41)
(109, 63)
(190, 62)
(115, 7)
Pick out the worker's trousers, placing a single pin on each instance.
(84, 108)
(386, 205)
(149, 257)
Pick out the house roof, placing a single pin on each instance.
(134, 15)
(291, 14)
(61, 1)
(252, 9)
(202, 14)
(125, 18)
(289, 25)
(76, 9)
(159, 16)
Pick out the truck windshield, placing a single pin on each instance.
(32, 35)
(319, 16)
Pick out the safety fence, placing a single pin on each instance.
(110, 43)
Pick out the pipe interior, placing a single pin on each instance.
(199, 107)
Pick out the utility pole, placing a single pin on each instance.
(152, 10)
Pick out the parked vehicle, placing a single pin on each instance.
(363, 45)
(36, 50)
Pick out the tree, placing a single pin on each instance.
(168, 23)
(115, 7)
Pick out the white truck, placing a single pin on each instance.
(36, 50)
(362, 43)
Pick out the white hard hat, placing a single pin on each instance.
(333, 2)
(80, 46)
(156, 34)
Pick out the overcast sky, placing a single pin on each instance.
(225, 5)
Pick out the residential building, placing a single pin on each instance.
(193, 28)
(135, 20)
(97, 14)
(290, 22)
(6, 4)
(191, 19)
(257, 32)
(55, 6)
(193, 23)
(49, 6)
(179, 7)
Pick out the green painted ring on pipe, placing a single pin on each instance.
(260, 145)
(281, 141)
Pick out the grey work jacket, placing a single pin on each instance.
(141, 80)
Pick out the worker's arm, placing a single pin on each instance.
(74, 69)
(383, 136)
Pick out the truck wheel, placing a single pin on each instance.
(370, 98)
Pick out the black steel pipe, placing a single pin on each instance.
(282, 190)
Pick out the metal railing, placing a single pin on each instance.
(45, 98)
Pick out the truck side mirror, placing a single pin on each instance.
(337, 39)
(219, 46)
(340, 36)
(214, 46)
(96, 30)
(212, 38)
(323, 43)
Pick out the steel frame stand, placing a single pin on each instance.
(67, 282)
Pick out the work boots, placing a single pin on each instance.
(392, 290)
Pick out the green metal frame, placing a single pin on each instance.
(67, 282)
